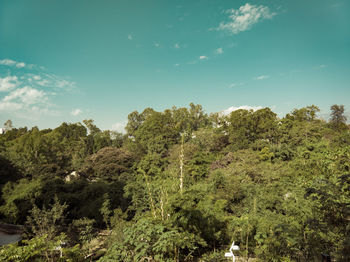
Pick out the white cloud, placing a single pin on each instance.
(130, 37)
(177, 65)
(9, 82)
(61, 83)
(320, 66)
(119, 127)
(235, 85)
(177, 46)
(9, 62)
(233, 108)
(51, 81)
(37, 111)
(219, 51)
(10, 106)
(26, 95)
(157, 45)
(203, 57)
(44, 82)
(262, 77)
(36, 77)
(245, 17)
(76, 112)
(20, 65)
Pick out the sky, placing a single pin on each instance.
(65, 61)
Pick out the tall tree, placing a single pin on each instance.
(337, 116)
(8, 125)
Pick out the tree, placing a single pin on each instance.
(306, 113)
(18, 198)
(8, 125)
(245, 127)
(93, 129)
(41, 249)
(152, 240)
(110, 164)
(47, 221)
(105, 210)
(337, 116)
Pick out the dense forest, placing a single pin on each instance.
(180, 185)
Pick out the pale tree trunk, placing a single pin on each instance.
(150, 195)
(162, 204)
(181, 163)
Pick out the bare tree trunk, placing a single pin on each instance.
(181, 163)
(150, 195)
(162, 204)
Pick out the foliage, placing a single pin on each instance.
(152, 240)
(84, 228)
(337, 116)
(47, 221)
(110, 164)
(18, 199)
(41, 249)
(181, 186)
(105, 210)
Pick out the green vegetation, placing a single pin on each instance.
(180, 185)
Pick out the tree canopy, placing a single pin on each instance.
(180, 185)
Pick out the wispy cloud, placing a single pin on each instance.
(245, 17)
(320, 66)
(28, 90)
(76, 112)
(262, 77)
(177, 46)
(230, 45)
(27, 102)
(9, 106)
(196, 60)
(119, 127)
(36, 77)
(232, 85)
(7, 83)
(26, 95)
(63, 83)
(156, 44)
(9, 62)
(130, 37)
(44, 82)
(234, 108)
(20, 65)
(219, 51)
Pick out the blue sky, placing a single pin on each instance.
(73, 60)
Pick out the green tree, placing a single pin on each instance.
(45, 221)
(8, 126)
(18, 197)
(41, 249)
(338, 119)
(109, 164)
